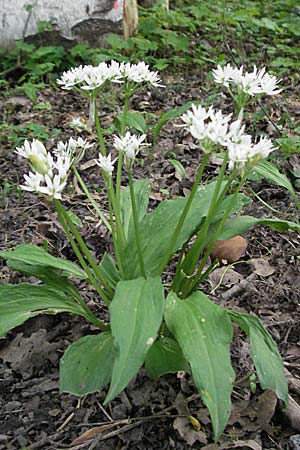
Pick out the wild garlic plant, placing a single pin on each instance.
(167, 327)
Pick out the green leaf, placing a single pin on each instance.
(267, 170)
(264, 353)
(141, 193)
(165, 356)
(158, 226)
(109, 270)
(204, 333)
(178, 168)
(240, 224)
(133, 120)
(86, 366)
(19, 302)
(136, 315)
(170, 115)
(74, 219)
(36, 256)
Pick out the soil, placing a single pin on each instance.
(148, 414)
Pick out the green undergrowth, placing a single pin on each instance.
(191, 35)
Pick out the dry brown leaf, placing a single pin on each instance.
(222, 276)
(187, 432)
(93, 432)
(248, 443)
(230, 250)
(261, 267)
(266, 409)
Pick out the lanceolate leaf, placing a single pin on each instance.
(19, 302)
(36, 256)
(136, 315)
(165, 356)
(266, 358)
(267, 170)
(109, 270)
(157, 228)
(86, 366)
(204, 332)
(240, 224)
(141, 193)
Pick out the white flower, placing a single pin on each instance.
(252, 83)
(90, 78)
(197, 113)
(140, 73)
(54, 186)
(74, 149)
(73, 77)
(269, 83)
(32, 182)
(35, 148)
(129, 144)
(223, 75)
(49, 175)
(106, 163)
(245, 152)
(209, 127)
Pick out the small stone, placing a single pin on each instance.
(295, 442)
(22, 441)
(3, 438)
(10, 406)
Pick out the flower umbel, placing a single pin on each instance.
(129, 145)
(251, 83)
(49, 175)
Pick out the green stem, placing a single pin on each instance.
(122, 133)
(195, 251)
(180, 223)
(213, 240)
(86, 253)
(88, 313)
(115, 242)
(92, 201)
(65, 224)
(99, 128)
(121, 239)
(136, 225)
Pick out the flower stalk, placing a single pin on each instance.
(136, 225)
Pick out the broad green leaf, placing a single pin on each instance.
(109, 270)
(48, 275)
(264, 353)
(136, 315)
(165, 356)
(86, 366)
(133, 120)
(19, 302)
(204, 333)
(141, 193)
(240, 224)
(158, 226)
(36, 256)
(267, 170)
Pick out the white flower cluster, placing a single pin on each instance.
(212, 129)
(252, 83)
(129, 145)
(49, 175)
(90, 77)
(73, 149)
